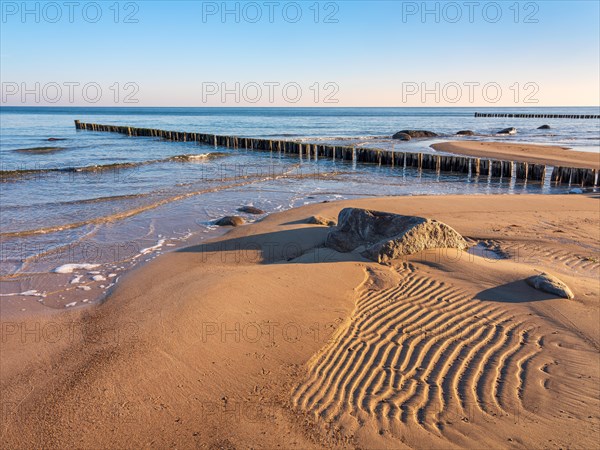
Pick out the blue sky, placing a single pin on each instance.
(367, 54)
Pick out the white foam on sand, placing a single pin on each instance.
(31, 293)
(98, 278)
(158, 245)
(69, 268)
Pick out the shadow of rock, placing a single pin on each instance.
(514, 292)
(303, 245)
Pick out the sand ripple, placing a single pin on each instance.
(422, 352)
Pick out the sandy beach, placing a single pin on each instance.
(348, 225)
(532, 153)
(265, 338)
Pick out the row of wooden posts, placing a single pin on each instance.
(421, 161)
(539, 116)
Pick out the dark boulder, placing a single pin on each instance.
(402, 136)
(230, 221)
(417, 133)
(544, 127)
(466, 133)
(510, 130)
(250, 210)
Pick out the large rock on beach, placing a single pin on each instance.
(230, 221)
(465, 133)
(417, 133)
(402, 136)
(552, 285)
(382, 236)
(511, 130)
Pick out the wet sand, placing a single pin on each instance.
(531, 153)
(263, 338)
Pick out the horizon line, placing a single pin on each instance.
(290, 107)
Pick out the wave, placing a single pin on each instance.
(40, 150)
(9, 175)
(248, 180)
(84, 201)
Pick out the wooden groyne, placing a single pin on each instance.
(421, 161)
(539, 116)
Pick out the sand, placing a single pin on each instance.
(265, 339)
(531, 153)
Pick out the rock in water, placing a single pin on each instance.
(250, 210)
(547, 283)
(417, 133)
(511, 130)
(544, 127)
(388, 236)
(402, 136)
(465, 133)
(318, 220)
(230, 221)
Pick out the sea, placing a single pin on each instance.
(79, 209)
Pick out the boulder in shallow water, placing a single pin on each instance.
(511, 130)
(465, 133)
(417, 133)
(386, 236)
(319, 220)
(402, 136)
(544, 127)
(230, 221)
(250, 210)
(552, 285)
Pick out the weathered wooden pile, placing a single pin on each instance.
(539, 116)
(421, 161)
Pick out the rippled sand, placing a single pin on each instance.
(264, 338)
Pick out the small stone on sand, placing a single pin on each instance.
(547, 283)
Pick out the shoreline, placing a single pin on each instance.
(553, 155)
(177, 339)
(512, 151)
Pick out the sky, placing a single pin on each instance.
(320, 54)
